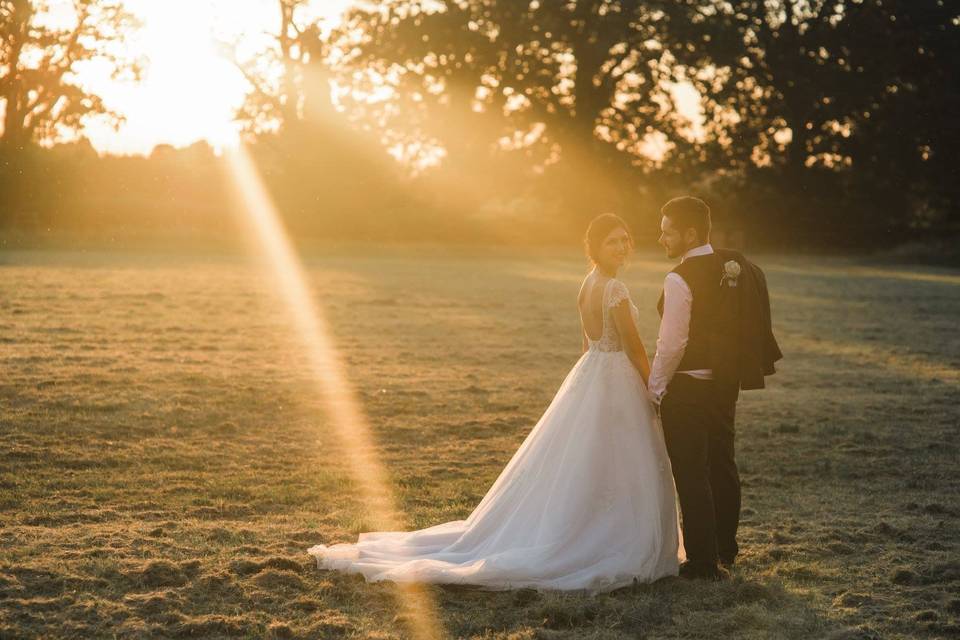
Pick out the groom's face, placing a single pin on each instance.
(672, 239)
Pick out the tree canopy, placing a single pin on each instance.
(813, 122)
(824, 103)
(39, 58)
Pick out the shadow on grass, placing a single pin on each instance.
(670, 608)
(285, 596)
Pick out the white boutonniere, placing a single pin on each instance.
(731, 271)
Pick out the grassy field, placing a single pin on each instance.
(165, 462)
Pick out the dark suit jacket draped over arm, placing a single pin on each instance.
(746, 348)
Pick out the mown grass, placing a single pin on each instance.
(165, 462)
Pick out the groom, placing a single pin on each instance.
(715, 339)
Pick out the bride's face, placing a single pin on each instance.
(614, 249)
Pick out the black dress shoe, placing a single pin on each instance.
(700, 571)
(728, 562)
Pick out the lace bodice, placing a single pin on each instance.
(614, 292)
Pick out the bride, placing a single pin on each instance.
(587, 502)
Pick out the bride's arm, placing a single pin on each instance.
(632, 344)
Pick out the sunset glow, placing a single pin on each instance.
(190, 90)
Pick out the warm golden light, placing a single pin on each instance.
(343, 411)
(190, 90)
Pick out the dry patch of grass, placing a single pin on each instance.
(165, 463)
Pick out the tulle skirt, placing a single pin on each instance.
(586, 503)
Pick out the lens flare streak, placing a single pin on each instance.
(338, 397)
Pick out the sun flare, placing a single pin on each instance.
(344, 412)
(190, 89)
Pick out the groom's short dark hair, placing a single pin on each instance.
(686, 212)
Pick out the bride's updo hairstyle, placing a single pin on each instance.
(600, 227)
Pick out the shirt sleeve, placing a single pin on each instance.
(674, 334)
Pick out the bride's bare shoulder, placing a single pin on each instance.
(590, 287)
(586, 285)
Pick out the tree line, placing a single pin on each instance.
(814, 123)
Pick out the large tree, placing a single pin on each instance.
(907, 139)
(578, 93)
(41, 49)
(833, 114)
(288, 75)
(327, 177)
(843, 106)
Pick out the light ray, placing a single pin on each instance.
(338, 397)
(853, 271)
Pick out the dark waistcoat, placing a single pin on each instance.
(702, 274)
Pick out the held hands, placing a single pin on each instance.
(654, 396)
(656, 400)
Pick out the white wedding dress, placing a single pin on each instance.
(586, 503)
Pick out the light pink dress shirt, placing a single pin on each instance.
(675, 330)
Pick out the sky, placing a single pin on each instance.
(189, 91)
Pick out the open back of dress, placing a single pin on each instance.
(599, 296)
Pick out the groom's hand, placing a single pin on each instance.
(656, 399)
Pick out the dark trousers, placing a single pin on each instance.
(698, 426)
